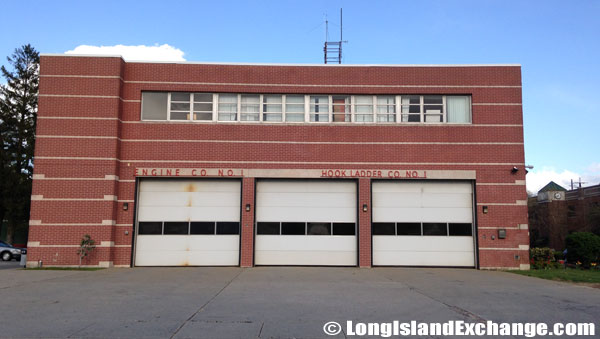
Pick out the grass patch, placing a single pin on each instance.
(64, 269)
(569, 274)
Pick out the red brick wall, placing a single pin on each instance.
(89, 128)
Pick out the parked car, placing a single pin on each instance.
(8, 252)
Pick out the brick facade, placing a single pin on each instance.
(91, 139)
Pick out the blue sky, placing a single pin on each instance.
(556, 42)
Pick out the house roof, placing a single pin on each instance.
(552, 186)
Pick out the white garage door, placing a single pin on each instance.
(306, 223)
(423, 224)
(188, 223)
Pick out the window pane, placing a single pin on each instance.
(293, 228)
(154, 106)
(227, 107)
(267, 228)
(409, 228)
(293, 108)
(435, 229)
(459, 109)
(384, 228)
(319, 104)
(202, 116)
(386, 118)
(364, 117)
(460, 229)
(172, 227)
(203, 97)
(203, 107)
(150, 227)
(345, 228)
(202, 227)
(227, 227)
(178, 96)
(180, 116)
(411, 100)
(272, 99)
(272, 117)
(294, 117)
(176, 106)
(318, 228)
(294, 99)
(319, 117)
(432, 99)
(363, 100)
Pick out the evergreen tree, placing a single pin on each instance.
(18, 112)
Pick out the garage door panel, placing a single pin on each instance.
(339, 214)
(214, 214)
(395, 200)
(159, 213)
(446, 214)
(166, 199)
(318, 186)
(447, 200)
(307, 199)
(423, 251)
(305, 250)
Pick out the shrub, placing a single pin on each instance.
(558, 255)
(583, 247)
(543, 258)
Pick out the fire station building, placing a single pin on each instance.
(205, 164)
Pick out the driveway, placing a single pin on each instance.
(267, 302)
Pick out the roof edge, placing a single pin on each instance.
(275, 64)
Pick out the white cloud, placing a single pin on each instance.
(537, 179)
(157, 52)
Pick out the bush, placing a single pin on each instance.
(558, 255)
(583, 247)
(543, 258)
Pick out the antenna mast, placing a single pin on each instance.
(333, 49)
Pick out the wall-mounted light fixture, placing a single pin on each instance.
(485, 209)
(247, 207)
(365, 207)
(514, 170)
(125, 206)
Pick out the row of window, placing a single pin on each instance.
(302, 228)
(306, 228)
(227, 107)
(426, 228)
(188, 228)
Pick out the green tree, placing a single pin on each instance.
(18, 113)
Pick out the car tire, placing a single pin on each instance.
(6, 256)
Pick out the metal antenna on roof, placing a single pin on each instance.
(333, 49)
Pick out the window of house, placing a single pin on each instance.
(272, 107)
(408, 228)
(319, 108)
(268, 228)
(176, 227)
(341, 109)
(318, 228)
(460, 229)
(227, 107)
(411, 108)
(344, 228)
(154, 105)
(179, 108)
(384, 228)
(203, 106)
(363, 108)
(228, 227)
(250, 107)
(386, 108)
(435, 228)
(458, 109)
(294, 108)
(433, 108)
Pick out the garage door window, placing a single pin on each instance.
(150, 227)
(384, 228)
(302, 228)
(176, 228)
(460, 229)
(185, 228)
(228, 227)
(202, 227)
(409, 228)
(437, 228)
